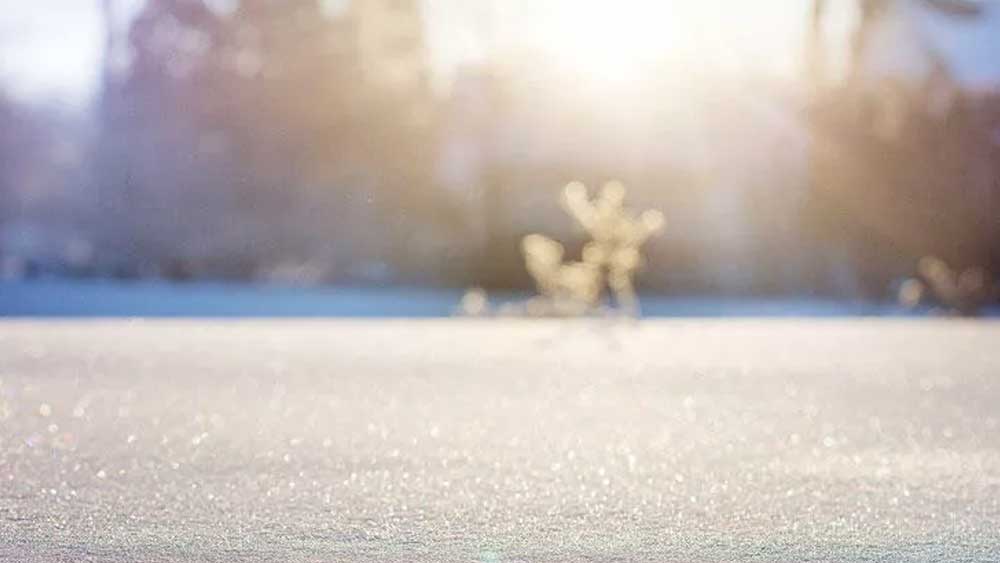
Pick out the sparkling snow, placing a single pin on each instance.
(464, 440)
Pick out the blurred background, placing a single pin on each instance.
(799, 149)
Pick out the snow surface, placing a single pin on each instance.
(465, 440)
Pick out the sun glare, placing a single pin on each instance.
(620, 42)
(608, 42)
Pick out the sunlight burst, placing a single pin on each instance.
(622, 42)
(609, 42)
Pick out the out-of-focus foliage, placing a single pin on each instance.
(611, 259)
(40, 169)
(567, 288)
(250, 144)
(960, 292)
(906, 154)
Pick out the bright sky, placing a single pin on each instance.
(52, 48)
(49, 47)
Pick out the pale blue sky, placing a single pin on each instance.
(51, 48)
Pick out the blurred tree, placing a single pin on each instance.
(40, 159)
(158, 164)
(9, 144)
(241, 141)
(904, 154)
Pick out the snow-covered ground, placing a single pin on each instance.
(68, 298)
(500, 440)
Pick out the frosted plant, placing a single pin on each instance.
(475, 303)
(567, 288)
(963, 293)
(618, 236)
(610, 259)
